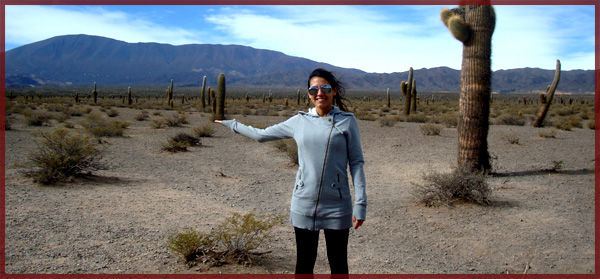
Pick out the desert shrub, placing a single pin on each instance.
(232, 241)
(510, 119)
(180, 143)
(142, 116)
(430, 129)
(567, 123)
(8, 123)
(447, 119)
(175, 120)
(61, 155)
(68, 125)
(290, 147)
(187, 139)
(190, 244)
(388, 121)
(157, 123)
(206, 130)
(417, 118)
(591, 125)
(38, 118)
(458, 185)
(548, 133)
(98, 126)
(112, 113)
(511, 138)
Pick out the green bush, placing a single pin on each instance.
(232, 241)
(458, 185)
(61, 155)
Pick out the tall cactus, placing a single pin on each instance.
(220, 110)
(95, 94)
(546, 99)
(413, 96)
(129, 99)
(473, 25)
(406, 87)
(388, 100)
(202, 92)
(170, 94)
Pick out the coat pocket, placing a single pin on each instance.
(339, 188)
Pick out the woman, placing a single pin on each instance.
(328, 142)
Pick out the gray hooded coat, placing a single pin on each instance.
(326, 147)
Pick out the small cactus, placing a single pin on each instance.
(95, 94)
(202, 92)
(406, 87)
(129, 99)
(388, 98)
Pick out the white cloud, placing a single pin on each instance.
(370, 38)
(27, 24)
(346, 36)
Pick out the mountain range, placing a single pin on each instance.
(81, 60)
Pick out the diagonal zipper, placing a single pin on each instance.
(322, 176)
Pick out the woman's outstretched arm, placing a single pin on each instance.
(283, 130)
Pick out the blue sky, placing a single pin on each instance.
(382, 39)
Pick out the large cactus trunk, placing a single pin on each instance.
(220, 108)
(474, 26)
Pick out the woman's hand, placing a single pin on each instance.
(358, 223)
(219, 121)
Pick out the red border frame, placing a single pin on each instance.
(295, 2)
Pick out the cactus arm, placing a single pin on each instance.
(539, 121)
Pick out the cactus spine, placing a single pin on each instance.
(95, 94)
(546, 99)
(406, 87)
(473, 26)
(220, 110)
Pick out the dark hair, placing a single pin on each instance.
(335, 83)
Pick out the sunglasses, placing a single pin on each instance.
(326, 89)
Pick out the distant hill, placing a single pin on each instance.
(81, 60)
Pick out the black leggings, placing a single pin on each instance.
(307, 242)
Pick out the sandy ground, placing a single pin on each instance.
(119, 220)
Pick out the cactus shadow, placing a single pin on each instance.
(95, 180)
(543, 171)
